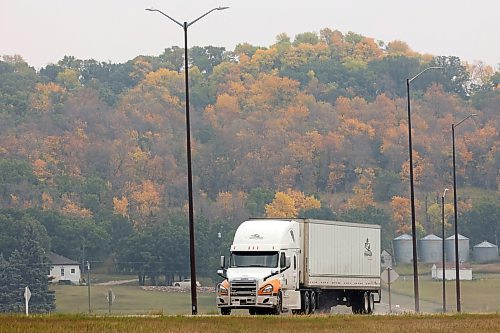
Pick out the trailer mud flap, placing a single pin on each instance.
(379, 293)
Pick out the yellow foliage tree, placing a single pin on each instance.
(363, 190)
(120, 206)
(146, 198)
(289, 204)
(282, 206)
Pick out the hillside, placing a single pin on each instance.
(315, 125)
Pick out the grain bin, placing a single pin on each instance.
(485, 251)
(431, 249)
(463, 248)
(403, 249)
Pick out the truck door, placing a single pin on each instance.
(289, 280)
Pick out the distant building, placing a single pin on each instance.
(64, 270)
(450, 272)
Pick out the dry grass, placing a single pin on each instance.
(216, 324)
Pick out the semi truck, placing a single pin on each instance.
(301, 266)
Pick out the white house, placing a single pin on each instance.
(450, 272)
(64, 270)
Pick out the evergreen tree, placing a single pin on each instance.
(27, 266)
(11, 292)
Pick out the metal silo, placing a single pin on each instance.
(403, 249)
(463, 248)
(485, 252)
(431, 249)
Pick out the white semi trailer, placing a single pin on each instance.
(302, 266)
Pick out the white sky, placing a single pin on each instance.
(43, 31)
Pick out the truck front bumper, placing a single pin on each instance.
(245, 302)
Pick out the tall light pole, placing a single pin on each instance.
(192, 260)
(455, 209)
(412, 193)
(444, 263)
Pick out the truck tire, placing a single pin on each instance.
(313, 302)
(279, 304)
(225, 311)
(366, 303)
(176, 285)
(306, 306)
(372, 303)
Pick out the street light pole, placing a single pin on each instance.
(412, 193)
(455, 209)
(444, 263)
(192, 259)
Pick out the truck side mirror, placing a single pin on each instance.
(222, 261)
(220, 272)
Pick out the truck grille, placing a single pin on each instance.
(243, 288)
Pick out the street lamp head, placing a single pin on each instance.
(221, 8)
(444, 193)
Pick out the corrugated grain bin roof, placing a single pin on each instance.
(459, 237)
(484, 244)
(431, 237)
(403, 237)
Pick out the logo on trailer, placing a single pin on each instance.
(368, 251)
(256, 236)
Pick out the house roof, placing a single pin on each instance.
(56, 259)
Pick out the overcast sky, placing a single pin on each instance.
(43, 31)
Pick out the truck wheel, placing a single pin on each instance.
(366, 303)
(313, 302)
(252, 312)
(307, 303)
(177, 285)
(279, 304)
(372, 303)
(225, 311)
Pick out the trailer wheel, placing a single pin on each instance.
(313, 302)
(225, 311)
(252, 311)
(372, 303)
(366, 303)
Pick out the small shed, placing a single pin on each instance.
(450, 272)
(485, 252)
(63, 270)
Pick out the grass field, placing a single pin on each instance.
(217, 324)
(479, 295)
(129, 300)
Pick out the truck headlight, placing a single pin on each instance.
(266, 290)
(221, 290)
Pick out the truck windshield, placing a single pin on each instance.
(254, 259)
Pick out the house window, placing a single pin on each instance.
(62, 271)
(72, 271)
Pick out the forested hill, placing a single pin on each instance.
(316, 124)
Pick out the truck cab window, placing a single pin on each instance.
(282, 260)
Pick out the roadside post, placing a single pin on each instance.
(389, 276)
(111, 299)
(27, 296)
